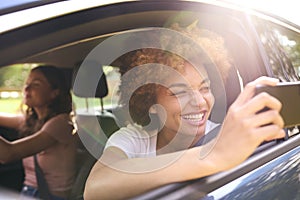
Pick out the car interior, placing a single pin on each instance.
(66, 41)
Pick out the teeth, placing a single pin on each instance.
(194, 117)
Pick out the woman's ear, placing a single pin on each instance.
(152, 110)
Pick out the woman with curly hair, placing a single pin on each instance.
(169, 99)
(46, 145)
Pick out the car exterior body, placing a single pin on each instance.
(63, 33)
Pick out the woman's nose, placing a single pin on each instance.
(26, 87)
(197, 98)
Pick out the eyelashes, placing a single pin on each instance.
(203, 90)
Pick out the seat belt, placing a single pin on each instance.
(42, 184)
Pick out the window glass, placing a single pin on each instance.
(283, 49)
(11, 83)
(113, 81)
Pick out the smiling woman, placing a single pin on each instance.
(169, 98)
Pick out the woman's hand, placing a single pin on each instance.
(245, 128)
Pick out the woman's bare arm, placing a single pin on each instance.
(130, 177)
(10, 121)
(18, 149)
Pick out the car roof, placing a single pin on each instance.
(8, 6)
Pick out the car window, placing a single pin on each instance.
(283, 49)
(12, 79)
(11, 83)
(282, 46)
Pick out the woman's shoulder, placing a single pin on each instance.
(131, 134)
(61, 116)
(133, 140)
(132, 131)
(210, 125)
(60, 123)
(62, 119)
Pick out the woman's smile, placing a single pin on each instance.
(196, 119)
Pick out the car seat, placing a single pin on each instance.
(89, 81)
(93, 126)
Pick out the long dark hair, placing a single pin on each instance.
(61, 104)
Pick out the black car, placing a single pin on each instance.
(65, 33)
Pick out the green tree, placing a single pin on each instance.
(13, 77)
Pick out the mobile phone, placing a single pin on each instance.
(288, 93)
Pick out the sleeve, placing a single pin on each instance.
(122, 140)
(133, 141)
(59, 127)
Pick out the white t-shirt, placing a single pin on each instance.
(137, 143)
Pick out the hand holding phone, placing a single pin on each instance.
(288, 93)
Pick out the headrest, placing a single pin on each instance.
(89, 81)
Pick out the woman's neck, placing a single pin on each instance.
(167, 142)
(41, 112)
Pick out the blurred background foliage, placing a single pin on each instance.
(13, 77)
(11, 81)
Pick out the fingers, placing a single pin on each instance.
(259, 102)
(266, 125)
(249, 89)
(266, 118)
(248, 106)
(264, 80)
(270, 132)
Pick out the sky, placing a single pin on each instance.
(288, 9)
